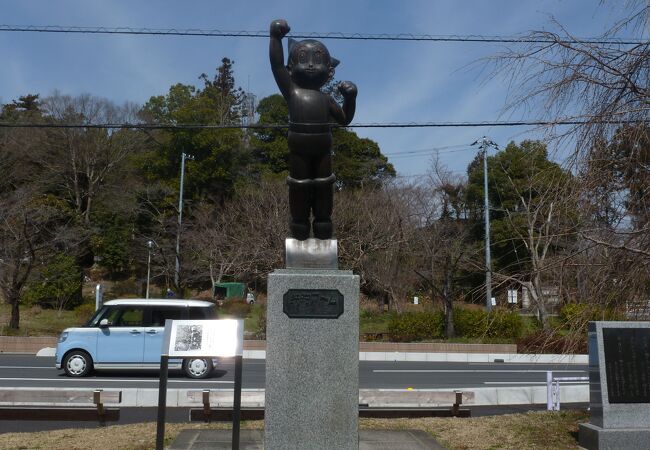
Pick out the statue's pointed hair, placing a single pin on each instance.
(292, 43)
(334, 62)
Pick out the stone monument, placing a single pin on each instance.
(619, 386)
(312, 332)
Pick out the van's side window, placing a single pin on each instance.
(112, 315)
(159, 315)
(201, 313)
(130, 317)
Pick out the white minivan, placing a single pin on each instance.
(128, 334)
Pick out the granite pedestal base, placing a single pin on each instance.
(593, 437)
(312, 363)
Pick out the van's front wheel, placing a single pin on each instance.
(197, 367)
(77, 363)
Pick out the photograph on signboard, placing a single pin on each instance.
(188, 337)
(204, 338)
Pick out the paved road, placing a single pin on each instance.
(31, 371)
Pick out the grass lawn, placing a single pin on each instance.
(251, 322)
(373, 322)
(38, 322)
(533, 430)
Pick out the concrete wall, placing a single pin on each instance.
(28, 344)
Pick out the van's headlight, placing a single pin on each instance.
(63, 336)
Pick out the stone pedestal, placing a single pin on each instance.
(312, 360)
(593, 437)
(619, 387)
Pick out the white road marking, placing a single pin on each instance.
(532, 382)
(116, 380)
(473, 371)
(27, 367)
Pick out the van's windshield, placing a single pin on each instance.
(94, 320)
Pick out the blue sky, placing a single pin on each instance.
(398, 81)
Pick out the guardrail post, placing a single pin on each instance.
(456, 406)
(557, 395)
(207, 412)
(549, 390)
(97, 400)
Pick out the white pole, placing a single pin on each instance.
(180, 222)
(549, 390)
(488, 259)
(149, 244)
(98, 296)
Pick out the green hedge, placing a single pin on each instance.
(573, 314)
(476, 323)
(416, 326)
(469, 323)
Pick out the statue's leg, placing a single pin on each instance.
(323, 198)
(299, 196)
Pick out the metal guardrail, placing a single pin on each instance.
(59, 404)
(210, 411)
(553, 389)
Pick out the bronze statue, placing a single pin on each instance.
(310, 137)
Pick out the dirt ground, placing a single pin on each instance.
(533, 430)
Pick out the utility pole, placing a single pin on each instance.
(484, 144)
(184, 156)
(149, 248)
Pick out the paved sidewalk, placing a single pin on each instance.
(252, 440)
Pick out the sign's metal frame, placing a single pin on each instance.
(164, 373)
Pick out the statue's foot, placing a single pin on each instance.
(299, 229)
(322, 229)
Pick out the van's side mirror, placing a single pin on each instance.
(103, 323)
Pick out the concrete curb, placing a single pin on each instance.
(456, 357)
(431, 357)
(47, 351)
(254, 398)
(475, 357)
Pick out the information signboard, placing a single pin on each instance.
(188, 338)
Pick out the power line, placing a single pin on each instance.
(151, 126)
(427, 150)
(427, 153)
(313, 35)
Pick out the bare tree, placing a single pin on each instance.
(375, 228)
(442, 238)
(243, 239)
(27, 229)
(83, 159)
(603, 82)
(603, 85)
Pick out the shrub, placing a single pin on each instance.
(476, 323)
(128, 288)
(85, 311)
(365, 313)
(260, 324)
(576, 316)
(57, 285)
(416, 326)
(470, 322)
(235, 308)
(550, 342)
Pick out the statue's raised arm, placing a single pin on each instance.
(279, 29)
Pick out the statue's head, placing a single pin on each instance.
(310, 64)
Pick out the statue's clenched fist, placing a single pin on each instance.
(347, 89)
(279, 28)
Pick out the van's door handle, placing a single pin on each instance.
(152, 331)
(134, 332)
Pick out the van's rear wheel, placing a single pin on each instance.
(197, 368)
(77, 363)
